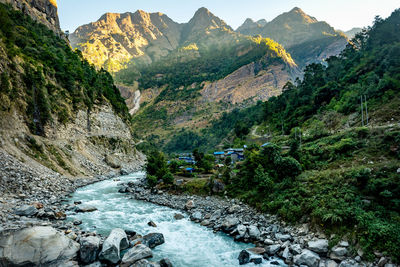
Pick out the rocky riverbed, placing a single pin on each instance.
(297, 245)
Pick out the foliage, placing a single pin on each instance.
(55, 76)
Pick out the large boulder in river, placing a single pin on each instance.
(153, 239)
(244, 257)
(85, 208)
(89, 249)
(308, 258)
(135, 254)
(36, 246)
(115, 242)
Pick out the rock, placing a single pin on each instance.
(26, 210)
(382, 261)
(38, 205)
(85, 208)
(272, 249)
(233, 209)
(38, 246)
(338, 253)
(217, 187)
(241, 229)
(153, 239)
(256, 260)
(230, 223)
(295, 249)
(257, 250)
(112, 161)
(216, 215)
(135, 254)
(331, 263)
(254, 232)
(286, 254)
(197, 216)
(190, 205)
(165, 263)
(205, 223)
(123, 171)
(89, 249)
(268, 242)
(319, 246)
(152, 224)
(144, 263)
(308, 258)
(343, 244)
(358, 259)
(178, 216)
(348, 263)
(244, 257)
(283, 237)
(77, 222)
(115, 242)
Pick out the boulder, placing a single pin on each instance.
(197, 216)
(241, 229)
(331, 263)
(286, 254)
(244, 257)
(135, 254)
(349, 263)
(308, 258)
(144, 263)
(257, 250)
(165, 263)
(178, 216)
(272, 249)
(254, 232)
(89, 249)
(216, 215)
(37, 246)
(26, 210)
(152, 224)
(256, 260)
(115, 242)
(85, 208)
(338, 253)
(295, 249)
(153, 239)
(319, 246)
(190, 205)
(283, 237)
(230, 223)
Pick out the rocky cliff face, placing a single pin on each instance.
(43, 11)
(295, 29)
(116, 38)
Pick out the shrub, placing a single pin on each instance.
(151, 180)
(168, 178)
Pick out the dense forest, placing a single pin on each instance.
(56, 80)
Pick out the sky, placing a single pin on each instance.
(341, 14)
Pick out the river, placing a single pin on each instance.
(186, 243)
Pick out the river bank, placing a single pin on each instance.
(295, 244)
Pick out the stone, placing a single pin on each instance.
(256, 260)
(286, 254)
(178, 216)
(254, 232)
(349, 263)
(115, 242)
(343, 244)
(241, 229)
(165, 263)
(144, 263)
(268, 242)
(382, 261)
(85, 208)
(197, 216)
(77, 222)
(283, 237)
(295, 249)
(135, 254)
(308, 258)
(257, 250)
(153, 239)
(190, 205)
(331, 263)
(26, 210)
(272, 249)
(205, 223)
(38, 246)
(90, 247)
(244, 257)
(338, 253)
(152, 224)
(233, 209)
(319, 246)
(230, 223)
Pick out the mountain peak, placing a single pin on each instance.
(297, 14)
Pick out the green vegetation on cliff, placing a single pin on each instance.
(43, 77)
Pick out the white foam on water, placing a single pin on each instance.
(186, 243)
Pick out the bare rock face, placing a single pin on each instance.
(116, 38)
(36, 246)
(43, 11)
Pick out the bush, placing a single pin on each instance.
(151, 180)
(168, 178)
